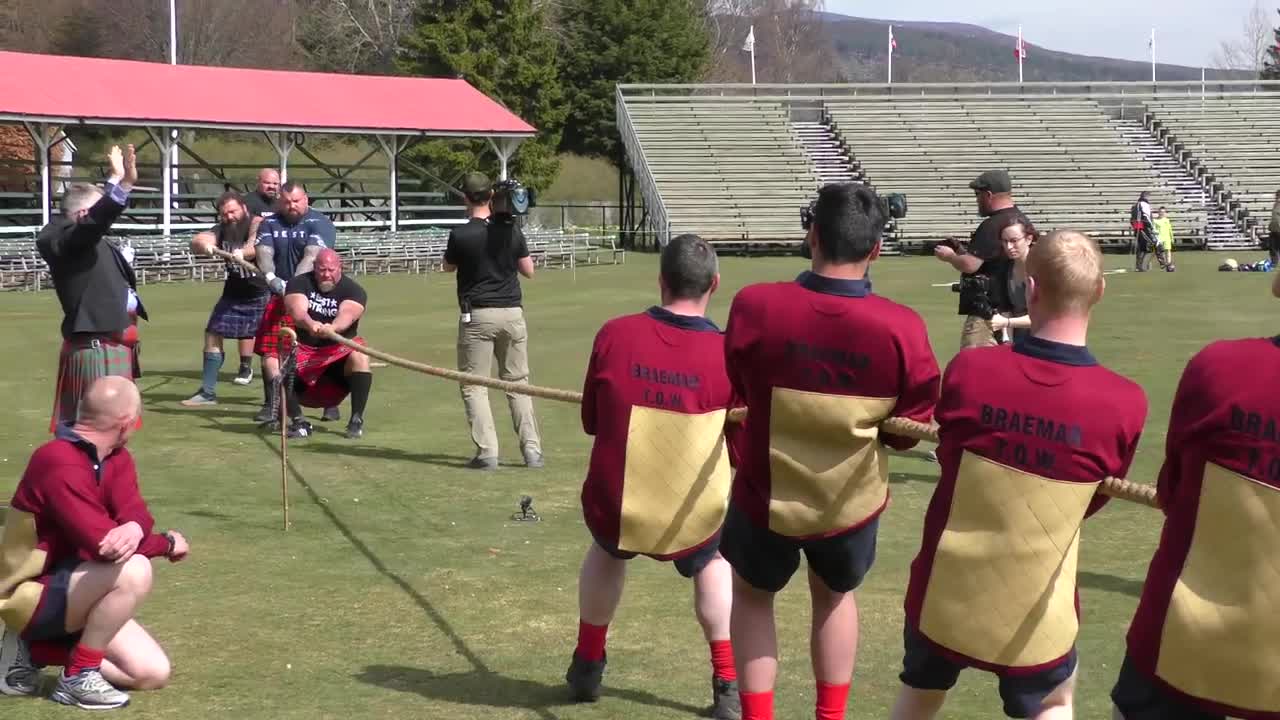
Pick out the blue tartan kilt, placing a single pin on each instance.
(238, 319)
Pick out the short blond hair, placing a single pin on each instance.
(1067, 268)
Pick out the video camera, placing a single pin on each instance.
(894, 206)
(975, 296)
(510, 198)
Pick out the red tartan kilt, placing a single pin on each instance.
(275, 317)
(315, 388)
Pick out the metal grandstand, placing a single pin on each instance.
(735, 163)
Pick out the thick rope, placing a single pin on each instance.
(1118, 488)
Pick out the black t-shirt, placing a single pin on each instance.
(323, 307)
(486, 255)
(240, 283)
(259, 205)
(985, 244)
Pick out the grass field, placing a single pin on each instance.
(404, 590)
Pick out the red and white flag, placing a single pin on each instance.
(1020, 50)
(893, 41)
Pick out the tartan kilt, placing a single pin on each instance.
(237, 319)
(267, 341)
(80, 362)
(315, 388)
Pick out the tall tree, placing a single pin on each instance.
(354, 36)
(607, 42)
(793, 42)
(1249, 50)
(504, 49)
(1271, 67)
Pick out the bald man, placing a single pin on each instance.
(262, 201)
(320, 302)
(75, 563)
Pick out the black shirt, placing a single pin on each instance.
(985, 244)
(260, 205)
(240, 283)
(486, 257)
(323, 307)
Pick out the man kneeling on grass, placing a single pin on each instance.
(75, 563)
(656, 398)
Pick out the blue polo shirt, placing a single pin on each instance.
(291, 240)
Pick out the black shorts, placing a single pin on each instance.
(687, 566)
(767, 560)
(49, 624)
(1140, 698)
(924, 668)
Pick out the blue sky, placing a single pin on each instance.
(1187, 31)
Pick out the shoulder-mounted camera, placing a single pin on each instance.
(893, 205)
(510, 198)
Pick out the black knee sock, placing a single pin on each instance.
(268, 386)
(246, 363)
(360, 383)
(291, 402)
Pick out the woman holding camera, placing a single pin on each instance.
(1011, 320)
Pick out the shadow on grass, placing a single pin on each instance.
(897, 478)
(432, 613)
(491, 690)
(376, 453)
(1109, 583)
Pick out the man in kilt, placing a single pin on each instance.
(95, 284)
(243, 300)
(321, 302)
(288, 242)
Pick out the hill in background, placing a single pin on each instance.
(957, 52)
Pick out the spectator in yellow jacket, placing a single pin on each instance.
(1164, 239)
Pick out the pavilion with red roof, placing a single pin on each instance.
(40, 91)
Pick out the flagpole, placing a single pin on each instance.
(1019, 54)
(1153, 55)
(890, 54)
(753, 54)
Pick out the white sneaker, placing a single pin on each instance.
(89, 690)
(18, 675)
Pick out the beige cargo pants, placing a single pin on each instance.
(977, 332)
(496, 333)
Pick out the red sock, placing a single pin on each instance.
(591, 641)
(46, 654)
(722, 660)
(831, 701)
(83, 658)
(757, 706)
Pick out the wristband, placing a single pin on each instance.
(172, 543)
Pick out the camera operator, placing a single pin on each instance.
(487, 252)
(984, 266)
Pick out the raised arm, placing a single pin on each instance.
(92, 226)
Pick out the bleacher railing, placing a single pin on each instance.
(648, 187)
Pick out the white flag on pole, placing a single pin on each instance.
(750, 44)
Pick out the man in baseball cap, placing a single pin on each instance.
(984, 256)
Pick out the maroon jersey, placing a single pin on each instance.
(65, 504)
(656, 398)
(1027, 435)
(1208, 625)
(820, 363)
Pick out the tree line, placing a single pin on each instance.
(552, 62)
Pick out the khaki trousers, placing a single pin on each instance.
(496, 333)
(977, 332)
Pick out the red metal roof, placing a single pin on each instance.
(127, 92)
